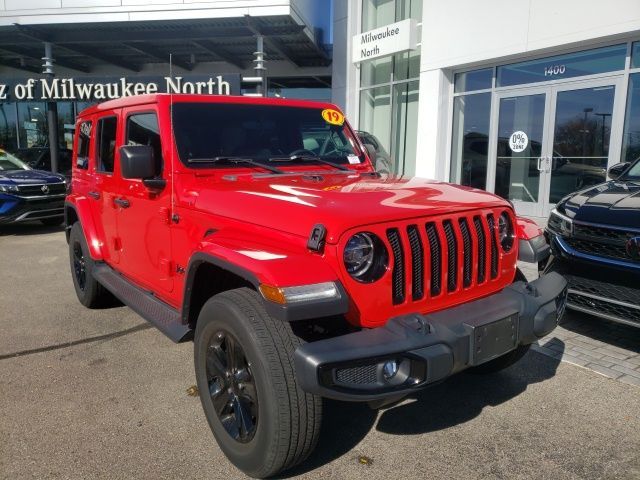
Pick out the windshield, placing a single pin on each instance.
(634, 171)
(260, 132)
(9, 162)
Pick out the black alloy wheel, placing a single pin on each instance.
(231, 386)
(79, 265)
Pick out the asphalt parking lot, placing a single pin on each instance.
(99, 394)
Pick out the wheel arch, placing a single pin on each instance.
(79, 211)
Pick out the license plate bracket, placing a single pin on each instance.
(491, 340)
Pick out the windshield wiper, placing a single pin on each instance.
(248, 161)
(308, 158)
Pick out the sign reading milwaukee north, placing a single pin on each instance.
(387, 40)
(98, 89)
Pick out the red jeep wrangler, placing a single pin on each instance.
(259, 229)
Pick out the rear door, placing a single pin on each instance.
(143, 222)
(103, 186)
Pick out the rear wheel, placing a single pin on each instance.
(507, 359)
(90, 293)
(263, 422)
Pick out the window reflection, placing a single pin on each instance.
(631, 137)
(8, 123)
(469, 155)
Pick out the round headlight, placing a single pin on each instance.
(365, 257)
(505, 231)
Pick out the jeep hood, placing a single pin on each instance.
(611, 203)
(295, 203)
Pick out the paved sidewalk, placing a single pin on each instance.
(605, 347)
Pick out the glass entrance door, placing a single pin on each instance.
(581, 138)
(519, 149)
(551, 141)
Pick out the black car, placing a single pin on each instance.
(381, 159)
(27, 194)
(39, 158)
(595, 239)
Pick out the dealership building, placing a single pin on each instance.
(530, 99)
(63, 55)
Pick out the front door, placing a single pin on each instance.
(581, 135)
(519, 149)
(551, 141)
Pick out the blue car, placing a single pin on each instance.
(27, 194)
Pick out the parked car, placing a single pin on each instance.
(298, 272)
(39, 158)
(27, 194)
(381, 158)
(595, 239)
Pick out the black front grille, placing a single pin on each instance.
(452, 255)
(36, 190)
(398, 269)
(494, 246)
(363, 375)
(603, 307)
(468, 252)
(601, 241)
(480, 235)
(436, 255)
(437, 243)
(417, 262)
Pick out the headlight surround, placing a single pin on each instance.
(9, 188)
(560, 223)
(506, 232)
(365, 257)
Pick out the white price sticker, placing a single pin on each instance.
(353, 159)
(518, 141)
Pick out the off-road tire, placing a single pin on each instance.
(90, 293)
(508, 359)
(53, 221)
(288, 419)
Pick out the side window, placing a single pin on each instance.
(142, 129)
(84, 135)
(106, 150)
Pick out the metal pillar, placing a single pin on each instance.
(52, 109)
(260, 69)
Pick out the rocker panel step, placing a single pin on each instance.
(145, 304)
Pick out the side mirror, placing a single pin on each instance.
(616, 170)
(139, 162)
(371, 152)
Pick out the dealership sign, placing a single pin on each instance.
(105, 88)
(394, 38)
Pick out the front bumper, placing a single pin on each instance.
(428, 348)
(15, 209)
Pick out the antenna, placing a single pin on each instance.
(173, 170)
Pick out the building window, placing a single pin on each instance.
(32, 125)
(389, 86)
(589, 62)
(470, 144)
(631, 136)
(8, 125)
(476, 80)
(106, 136)
(635, 55)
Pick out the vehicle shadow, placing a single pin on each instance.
(28, 228)
(455, 401)
(617, 334)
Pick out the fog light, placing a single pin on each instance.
(389, 369)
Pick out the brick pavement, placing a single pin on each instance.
(605, 347)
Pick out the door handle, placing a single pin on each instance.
(121, 202)
(539, 164)
(94, 195)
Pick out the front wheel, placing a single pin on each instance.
(263, 422)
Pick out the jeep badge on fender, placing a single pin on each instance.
(303, 273)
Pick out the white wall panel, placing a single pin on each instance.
(31, 4)
(91, 3)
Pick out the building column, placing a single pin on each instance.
(52, 109)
